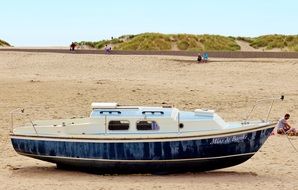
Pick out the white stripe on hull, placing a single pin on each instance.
(139, 161)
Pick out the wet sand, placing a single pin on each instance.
(53, 85)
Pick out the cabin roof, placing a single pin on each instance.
(113, 109)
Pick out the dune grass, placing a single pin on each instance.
(218, 43)
(4, 43)
(147, 41)
(191, 42)
(164, 42)
(186, 42)
(100, 44)
(276, 41)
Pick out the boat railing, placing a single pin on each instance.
(178, 122)
(273, 99)
(20, 111)
(106, 124)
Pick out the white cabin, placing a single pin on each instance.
(111, 118)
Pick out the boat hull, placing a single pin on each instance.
(139, 156)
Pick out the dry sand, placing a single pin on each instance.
(244, 46)
(64, 85)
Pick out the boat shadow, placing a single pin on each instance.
(222, 173)
(53, 171)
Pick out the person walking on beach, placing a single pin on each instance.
(283, 127)
(72, 46)
(108, 49)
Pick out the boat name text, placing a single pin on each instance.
(227, 140)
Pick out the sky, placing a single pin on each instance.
(59, 22)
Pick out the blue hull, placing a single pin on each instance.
(170, 155)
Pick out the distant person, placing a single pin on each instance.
(283, 127)
(199, 58)
(108, 49)
(205, 57)
(72, 46)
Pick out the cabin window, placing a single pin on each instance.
(153, 112)
(147, 125)
(110, 112)
(118, 125)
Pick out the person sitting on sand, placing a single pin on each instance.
(199, 58)
(283, 127)
(205, 57)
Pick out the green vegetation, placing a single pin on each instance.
(190, 42)
(100, 44)
(276, 41)
(186, 42)
(4, 43)
(146, 41)
(157, 41)
(218, 43)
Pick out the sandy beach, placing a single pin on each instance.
(51, 85)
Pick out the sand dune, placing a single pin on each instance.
(64, 85)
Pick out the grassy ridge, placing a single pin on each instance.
(100, 44)
(4, 43)
(147, 41)
(157, 41)
(190, 42)
(276, 41)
